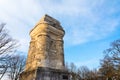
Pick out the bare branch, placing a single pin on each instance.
(7, 43)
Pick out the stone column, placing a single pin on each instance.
(60, 53)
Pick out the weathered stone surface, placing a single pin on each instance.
(45, 51)
(42, 73)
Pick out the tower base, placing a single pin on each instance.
(45, 74)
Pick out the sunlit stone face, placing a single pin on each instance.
(46, 46)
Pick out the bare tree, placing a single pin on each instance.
(16, 66)
(83, 72)
(107, 67)
(7, 43)
(110, 64)
(86, 74)
(74, 71)
(93, 75)
(3, 67)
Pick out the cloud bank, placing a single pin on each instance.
(83, 20)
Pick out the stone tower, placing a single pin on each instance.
(45, 59)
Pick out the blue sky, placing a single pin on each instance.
(90, 25)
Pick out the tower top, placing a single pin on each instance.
(46, 19)
(49, 19)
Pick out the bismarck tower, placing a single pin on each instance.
(45, 59)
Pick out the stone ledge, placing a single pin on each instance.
(46, 19)
(51, 70)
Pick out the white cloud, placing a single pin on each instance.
(24, 44)
(20, 18)
(84, 20)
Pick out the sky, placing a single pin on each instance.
(90, 25)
